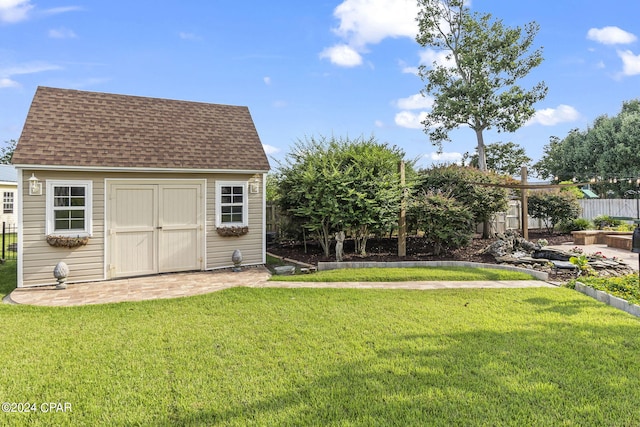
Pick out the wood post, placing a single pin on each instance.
(524, 214)
(402, 219)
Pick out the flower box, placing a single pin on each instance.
(232, 231)
(66, 241)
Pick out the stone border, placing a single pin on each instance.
(540, 275)
(608, 299)
(293, 261)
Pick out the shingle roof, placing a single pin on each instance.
(89, 129)
(8, 173)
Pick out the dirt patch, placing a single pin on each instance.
(417, 250)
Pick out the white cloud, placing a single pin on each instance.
(267, 80)
(28, 68)
(366, 22)
(7, 82)
(553, 116)
(410, 120)
(610, 35)
(415, 102)
(378, 124)
(58, 10)
(410, 70)
(452, 157)
(630, 62)
(342, 55)
(429, 56)
(270, 149)
(14, 10)
(189, 36)
(61, 33)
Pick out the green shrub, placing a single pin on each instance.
(625, 227)
(447, 223)
(553, 207)
(603, 221)
(574, 225)
(625, 287)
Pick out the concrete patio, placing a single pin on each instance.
(177, 285)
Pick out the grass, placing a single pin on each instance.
(408, 273)
(8, 277)
(625, 287)
(249, 356)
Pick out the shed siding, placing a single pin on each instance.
(87, 263)
(220, 249)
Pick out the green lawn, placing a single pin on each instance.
(248, 356)
(404, 274)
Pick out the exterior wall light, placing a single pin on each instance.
(35, 186)
(254, 185)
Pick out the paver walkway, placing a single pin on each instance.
(186, 284)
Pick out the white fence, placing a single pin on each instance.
(590, 209)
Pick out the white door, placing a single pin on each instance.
(154, 228)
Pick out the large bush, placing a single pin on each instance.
(334, 184)
(465, 184)
(553, 207)
(447, 223)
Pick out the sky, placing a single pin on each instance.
(311, 68)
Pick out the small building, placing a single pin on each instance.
(9, 191)
(120, 186)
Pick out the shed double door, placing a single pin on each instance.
(154, 228)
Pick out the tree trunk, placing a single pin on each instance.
(324, 239)
(482, 165)
(482, 155)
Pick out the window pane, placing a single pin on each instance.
(237, 199)
(236, 218)
(236, 209)
(61, 191)
(226, 209)
(225, 218)
(77, 214)
(77, 224)
(62, 214)
(77, 201)
(225, 190)
(77, 191)
(61, 201)
(226, 199)
(62, 224)
(237, 190)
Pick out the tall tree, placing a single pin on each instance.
(477, 85)
(6, 152)
(609, 149)
(502, 158)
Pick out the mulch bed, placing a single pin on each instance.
(387, 249)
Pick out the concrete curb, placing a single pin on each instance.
(540, 275)
(611, 300)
